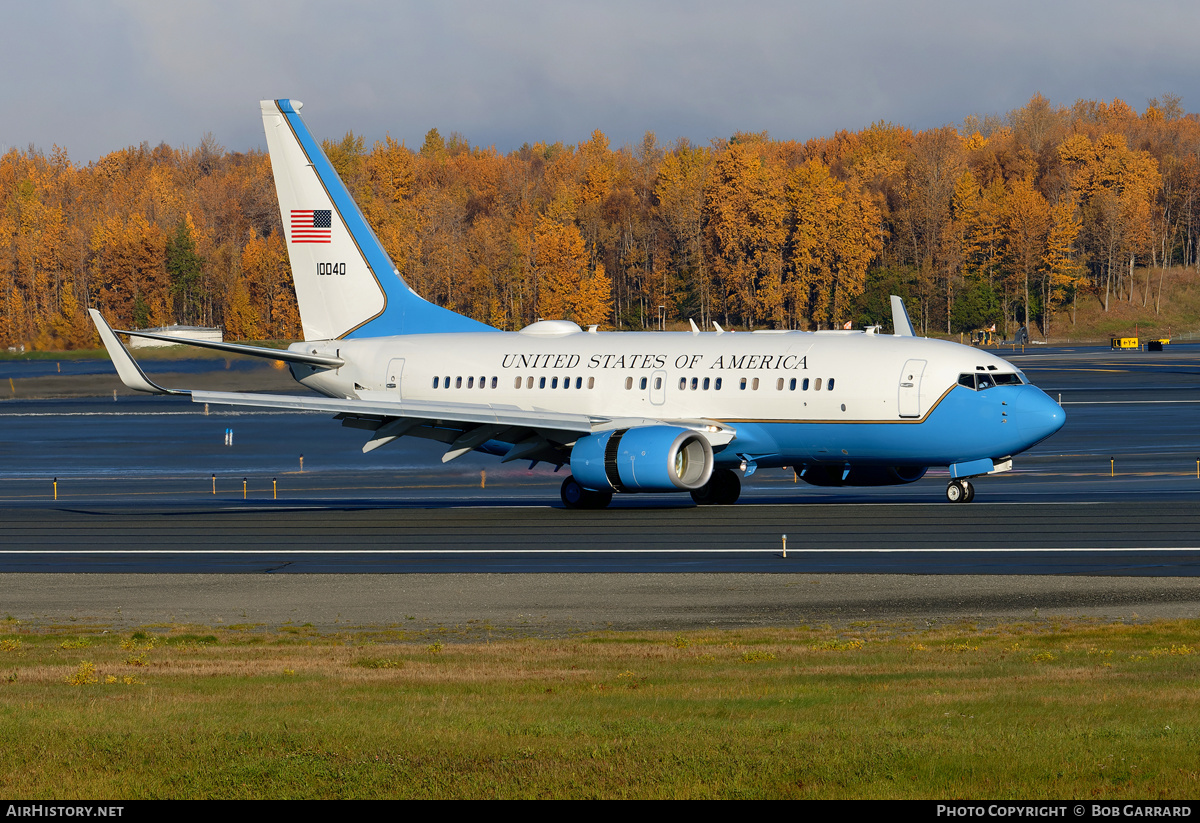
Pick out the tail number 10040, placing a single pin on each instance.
(331, 268)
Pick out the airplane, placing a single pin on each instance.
(627, 412)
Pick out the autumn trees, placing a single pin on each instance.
(1000, 220)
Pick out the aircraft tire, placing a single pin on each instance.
(970, 489)
(955, 492)
(722, 489)
(575, 496)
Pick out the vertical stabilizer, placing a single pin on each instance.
(346, 285)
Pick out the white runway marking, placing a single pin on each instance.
(764, 550)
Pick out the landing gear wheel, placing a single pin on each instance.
(575, 496)
(960, 491)
(722, 489)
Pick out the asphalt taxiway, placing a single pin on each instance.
(1102, 517)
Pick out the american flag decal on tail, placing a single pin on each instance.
(312, 225)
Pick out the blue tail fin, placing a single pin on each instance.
(346, 285)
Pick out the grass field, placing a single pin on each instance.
(1034, 710)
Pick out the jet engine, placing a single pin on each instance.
(643, 459)
(838, 475)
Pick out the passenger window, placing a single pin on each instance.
(435, 382)
(792, 384)
(458, 382)
(494, 382)
(830, 386)
(541, 382)
(591, 382)
(517, 385)
(529, 383)
(817, 384)
(642, 384)
(579, 382)
(695, 382)
(554, 383)
(446, 382)
(628, 383)
(717, 385)
(657, 383)
(743, 384)
(804, 386)
(754, 385)
(706, 384)
(470, 382)
(682, 383)
(779, 384)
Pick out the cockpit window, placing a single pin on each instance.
(979, 381)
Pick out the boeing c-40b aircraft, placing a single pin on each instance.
(627, 412)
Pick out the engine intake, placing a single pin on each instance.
(645, 459)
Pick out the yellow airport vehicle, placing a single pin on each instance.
(1135, 343)
(984, 337)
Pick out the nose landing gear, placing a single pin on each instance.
(960, 491)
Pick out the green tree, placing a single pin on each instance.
(186, 270)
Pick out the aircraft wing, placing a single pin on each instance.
(477, 413)
(506, 430)
(509, 431)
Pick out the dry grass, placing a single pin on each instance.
(1050, 709)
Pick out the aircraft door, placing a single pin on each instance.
(910, 388)
(658, 388)
(394, 374)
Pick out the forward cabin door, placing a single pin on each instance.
(910, 388)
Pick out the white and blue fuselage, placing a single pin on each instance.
(628, 412)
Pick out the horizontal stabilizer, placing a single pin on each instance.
(240, 348)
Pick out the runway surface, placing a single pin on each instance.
(1110, 502)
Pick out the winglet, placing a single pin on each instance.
(901, 325)
(130, 372)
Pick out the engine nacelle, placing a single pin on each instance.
(832, 475)
(645, 459)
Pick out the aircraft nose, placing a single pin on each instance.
(1037, 416)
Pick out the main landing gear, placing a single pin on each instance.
(722, 489)
(960, 491)
(575, 496)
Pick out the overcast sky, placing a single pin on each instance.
(101, 75)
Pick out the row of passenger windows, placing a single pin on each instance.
(444, 382)
(552, 382)
(543, 382)
(705, 383)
